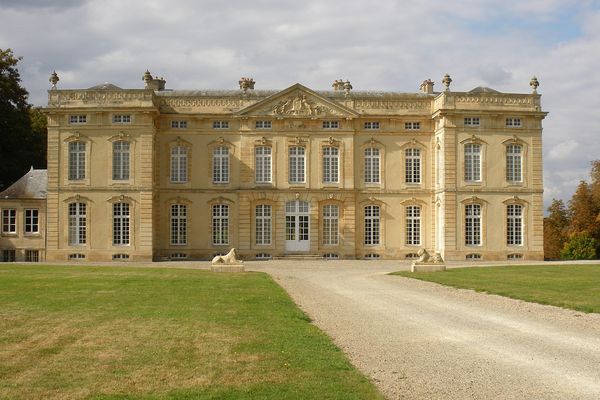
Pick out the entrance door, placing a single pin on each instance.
(297, 226)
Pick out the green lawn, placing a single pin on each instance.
(570, 286)
(132, 333)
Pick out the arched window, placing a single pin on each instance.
(179, 164)
(473, 225)
(296, 164)
(221, 164)
(331, 214)
(514, 225)
(220, 224)
(179, 224)
(372, 225)
(372, 160)
(263, 213)
(412, 162)
(120, 160)
(262, 164)
(331, 165)
(514, 163)
(413, 225)
(77, 224)
(472, 162)
(121, 224)
(76, 161)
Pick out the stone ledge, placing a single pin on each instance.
(427, 267)
(227, 268)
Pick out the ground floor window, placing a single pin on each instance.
(220, 224)
(32, 255)
(263, 224)
(372, 227)
(8, 255)
(331, 215)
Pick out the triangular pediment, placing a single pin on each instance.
(297, 101)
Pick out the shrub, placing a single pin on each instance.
(580, 246)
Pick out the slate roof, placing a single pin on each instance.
(106, 85)
(483, 89)
(33, 185)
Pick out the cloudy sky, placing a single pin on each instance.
(376, 44)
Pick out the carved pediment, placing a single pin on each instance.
(297, 102)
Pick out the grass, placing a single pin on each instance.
(132, 333)
(569, 286)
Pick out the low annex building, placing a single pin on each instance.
(158, 174)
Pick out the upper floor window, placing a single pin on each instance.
(412, 126)
(179, 164)
(263, 124)
(331, 165)
(9, 220)
(471, 121)
(372, 225)
(121, 224)
(32, 220)
(179, 124)
(220, 224)
(296, 164)
(263, 224)
(120, 160)
(413, 225)
(331, 214)
(472, 162)
(372, 162)
(262, 160)
(121, 119)
(514, 224)
(331, 124)
(412, 162)
(513, 122)
(76, 161)
(77, 119)
(178, 224)
(514, 163)
(371, 125)
(473, 225)
(77, 223)
(221, 124)
(221, 164)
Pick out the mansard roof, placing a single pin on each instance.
(32, 185)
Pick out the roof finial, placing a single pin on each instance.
(54, 79)
(246, 83)
(446, 81)
(147, 77)
(534, 83)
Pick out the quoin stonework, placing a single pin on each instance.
(158, 174)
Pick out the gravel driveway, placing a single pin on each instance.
(418, 340)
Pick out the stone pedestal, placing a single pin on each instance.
(427, 267)
(227, 268)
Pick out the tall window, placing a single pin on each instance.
(412, 163)
(372, 162)
(514, 224)
(472, 162)
(76, 161)
(263, 224)
(221, 164)
(121, 160)
(262, 164)
(514, 163)
(331, 165)
(178, 224)
(77, 224)
(296, 164)
(179, 164)
(32, 220)
(413, 225)
(121, 224)
(473, 224)
(9, 220)
(220, 224)
(372, 225)
(331, 224)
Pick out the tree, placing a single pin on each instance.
(555, 228)
(583, 212)
(580, 246)
(21, 146)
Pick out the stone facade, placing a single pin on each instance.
(155, 174)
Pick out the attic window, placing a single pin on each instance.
(412, 126)
(513, 122)
(262, 124)
(221, 124)
(371, 125)
(121, 119)
(179, 124)
(77, 119)
(471, 121)
(331, 124)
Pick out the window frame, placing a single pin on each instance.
(413, 223)
(413, 166)
(370, 165)
(9, 221)
(221, 166)
(179, 163)
(122, 119)
(220, 124)
(514, 163)
(263, 124)
(77, 160)
(330, 165)
(260, 167)
(78, 119)
(372, 125)
(121, 160)
(473, 225)
(472, 121)
(296, 165)
(178, 224)
(263, 224)
(515, 225)
(371, 225)
(220, 230)
(77, 213)
(330, 124)
(31, 223)
(473, 163)
(121, 224)
(330, 214)
(179, 124)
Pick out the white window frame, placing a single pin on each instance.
(514, 225)
(9, 221)
(121, 160)
(31, 221)
(263, 169)
(79, 119)
(472, 155)
(371, 125)
(179, 164)
(77, 160)
(413, 225)
(179, 224)
(220, 164)
(331, 164)
(514, 163)
(77, 212)
(263, 214)
(220, 224)
(296, 164)
(220, 125)
(263, 124)
(121, 119)
(121, 224)
(331, 223)
(372, 161)
(412, 126)
(412, 166)
(513, 122)
(472, 121)
(331, 124)
(179, 124)
(473, 224)
(372, 225)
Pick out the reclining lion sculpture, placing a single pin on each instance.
(229, 258)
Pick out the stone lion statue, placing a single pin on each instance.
(229, 258)
(423, 256)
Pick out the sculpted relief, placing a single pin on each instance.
(300, 106)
